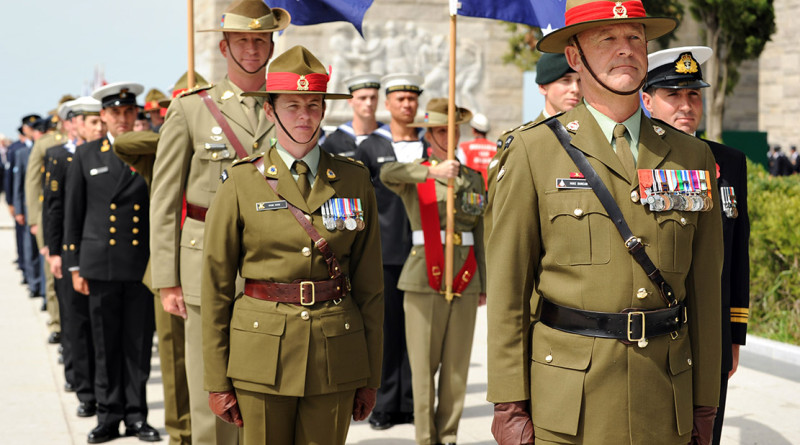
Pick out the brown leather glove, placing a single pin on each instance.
(363, 403)
(224, 405)
(512, 424)
(703, 424)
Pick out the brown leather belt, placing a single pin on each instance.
(630, 325)
(304, 293)
(196, 212)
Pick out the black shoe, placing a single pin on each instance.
(380, 421)
(103, 433)
(401, 418)
(54, 338)
(143, 431)
(88, 409)
(69, 387)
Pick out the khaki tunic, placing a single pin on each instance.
(189, 162)
(288, 349)
(561, 244)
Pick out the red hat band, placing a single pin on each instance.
(311, 83)
(152, 105)
(604, 10)
(178, 91)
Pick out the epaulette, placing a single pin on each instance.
(193, 90)
(347, 159)
(250, 159)
(534, 124)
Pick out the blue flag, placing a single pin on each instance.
(545, 14)
(311, 12)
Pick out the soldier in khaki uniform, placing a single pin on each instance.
(584, 347)
(300, 351)
(193, 151)
(439, 332)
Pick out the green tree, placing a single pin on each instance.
(737, 30)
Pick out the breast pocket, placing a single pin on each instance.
(675, 235)
(214, 157)
(345, 347)
(581, 228)
(255, 340)
(559, 364)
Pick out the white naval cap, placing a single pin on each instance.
(480, 122)
(402, 82)
(677, 67)
(85, 105)
(118, 93)
(359, 81)
(64, 111)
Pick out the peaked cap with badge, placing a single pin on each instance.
(582, 15)
(297, 71)
(118, 94)
(253, 16)
(677, 68)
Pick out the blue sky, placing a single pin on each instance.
(49, 48)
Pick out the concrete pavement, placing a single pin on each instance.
(763, 399)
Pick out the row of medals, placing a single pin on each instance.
(691, 202)
(682, 190)
(728, 198)
(343, 213)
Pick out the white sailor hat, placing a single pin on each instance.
(677, 67)
(402, 82)
(480, 122)
(359, 81)
(118, 94)
(85, 106)
(64, 111)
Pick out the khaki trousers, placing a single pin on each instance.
(207, 428)
(439, 338)
(280, 420)
(171, 345)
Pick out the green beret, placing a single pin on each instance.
(551, 67)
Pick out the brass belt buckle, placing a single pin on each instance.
(314, 294)
(457, 238)
(630, 321)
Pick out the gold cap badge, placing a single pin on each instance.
(254, 24)
(620, 12)
(686, 64)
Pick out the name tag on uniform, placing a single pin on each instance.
(572, 183)
(209, 146)
(382, 159)
(272, 205)
(98, 171)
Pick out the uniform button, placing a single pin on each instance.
(72, 247)
(136, 207)
(308, 217)
(683, 221)
(347, 326)
(136, 219)
(64, 247)
(112, 218)
(578, 212)
(112, 242)
(193, 242)
(255, 144)
(641, 293)
(306, 251)
(113, 230)
(113, 206)
(214, 155)
(413, 252)
(226, 154)
(135, 230)
(304, 315)
(689, 361)
(635, 196)
(549, 358)
(135, 242)
(255, 324)
(642, 343)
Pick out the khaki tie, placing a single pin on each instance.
(624, 149)
(250, 104)
(302, 181)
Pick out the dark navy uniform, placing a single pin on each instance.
(344, 140)
(76, 332)
(106, 233)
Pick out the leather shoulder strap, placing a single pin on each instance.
(223, 123)
(319, 242)
(632, 243)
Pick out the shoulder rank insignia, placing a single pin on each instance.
(659, 131)
(501, 173)
(508, 141)
(224, 176)
(227, 95)
(573, 126)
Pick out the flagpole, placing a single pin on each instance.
(190, 18)
(451, 142)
